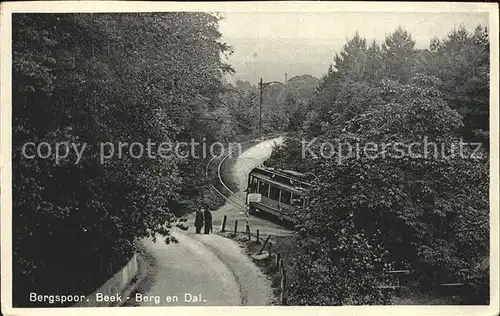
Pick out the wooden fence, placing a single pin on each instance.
(396, 280)
(274, 257)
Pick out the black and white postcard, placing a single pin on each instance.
(294, 157)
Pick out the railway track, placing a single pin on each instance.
(224, 191)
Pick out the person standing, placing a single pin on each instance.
(208, 221)
(198, 221)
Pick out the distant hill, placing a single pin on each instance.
(299, 88)
(302, 88)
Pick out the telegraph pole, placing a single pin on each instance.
(260, 105)
(262, 85)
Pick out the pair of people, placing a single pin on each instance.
(203, 217)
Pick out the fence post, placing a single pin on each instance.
(283, 274)
(223, 226)
(235, 227)
(283, 299)
(248, 232)
(283, 286)
(278, 258)
(270, 250)
(264, 245)
(258, 236)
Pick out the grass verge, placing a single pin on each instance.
(287, 247)
(267, 263)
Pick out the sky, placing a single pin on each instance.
(270, 44)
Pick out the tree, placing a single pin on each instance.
(349, 63)
(398, 51)
(105, 78)
(419, 212)
(410, 211)
(374, 65)
(461, 62)
(342, 92)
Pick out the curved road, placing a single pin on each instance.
(249, 159)
(208, 270)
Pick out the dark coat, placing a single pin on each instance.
(208, 218)
(198, 221)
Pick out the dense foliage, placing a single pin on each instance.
(426, 209)
(96, 78)
(283, 104)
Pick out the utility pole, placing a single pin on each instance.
(262, 85)
(260, 105)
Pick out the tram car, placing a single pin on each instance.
(277, 189)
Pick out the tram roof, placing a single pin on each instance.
(283, 172)
(293, 177)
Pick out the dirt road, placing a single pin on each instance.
(200, 270)
(209, 270)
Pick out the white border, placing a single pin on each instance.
(129, 6)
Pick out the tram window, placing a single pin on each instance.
(263, 188)
(274, 193)
(253, 184)
(295, 199)
(286, 196)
